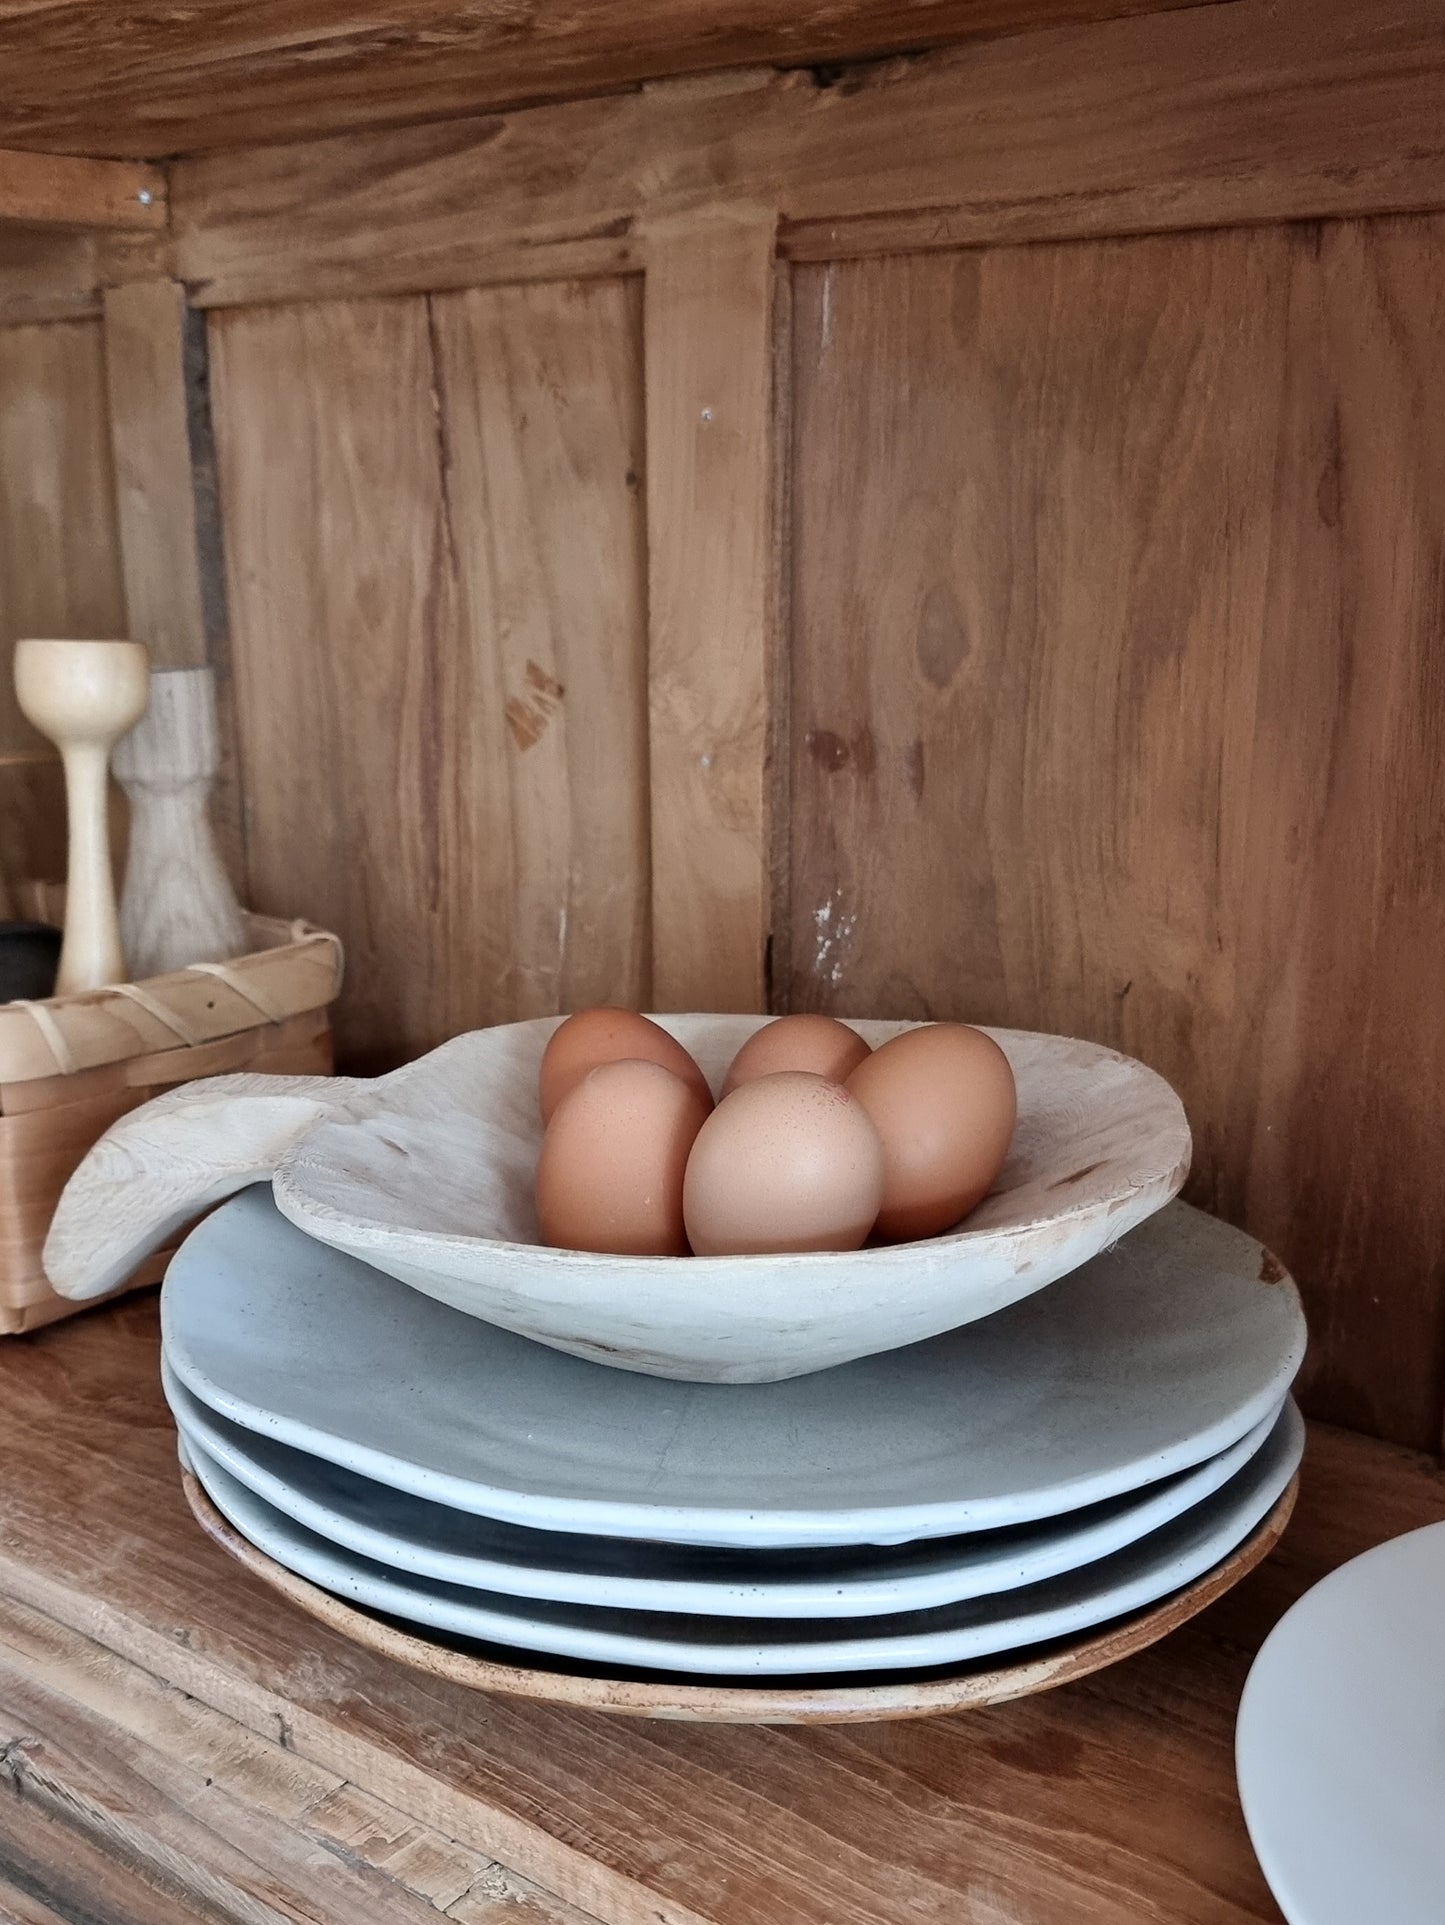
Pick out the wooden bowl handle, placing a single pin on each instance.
(172, 1158)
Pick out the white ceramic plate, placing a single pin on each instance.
(1152, 1358)
(421, 1539)
(427, 1173)
(1114, 1587)
(1341, 1743)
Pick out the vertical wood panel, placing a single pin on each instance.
(47, 274)
(59, 554)
(1118, 594)
(352, 686)
(708, 336)
(541, 393)
(145, 370)
(434, 565)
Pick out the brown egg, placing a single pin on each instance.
(943, 1100)
(819, 1044)
(610, 1172)
(596, 1036)
(789, 1162)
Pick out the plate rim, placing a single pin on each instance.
(767, 1702)
(486, 1617)
(720, 1525)
(1281, 1869)
(730, 1599)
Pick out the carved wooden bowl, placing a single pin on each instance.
(426, 1174)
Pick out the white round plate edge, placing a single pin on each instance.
(1332, 1892)
(376, 1590)
(727, 1528)
(712, 1597)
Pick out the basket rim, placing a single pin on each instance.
(184, 1009)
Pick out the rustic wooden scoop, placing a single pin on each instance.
(177, 1156)
(427, 1175)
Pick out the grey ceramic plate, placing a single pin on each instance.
(730, 1647)
(1152, 1358)
(421, 1539)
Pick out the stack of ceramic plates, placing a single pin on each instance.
(1061, 1466)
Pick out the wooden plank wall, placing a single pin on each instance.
(98, 502)
(437, 589)
(701, 578)
(1117, 704)
(59, 555)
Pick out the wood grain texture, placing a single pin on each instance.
(1105, 1803)
(150, 446)
(47, 274)
(163, 1791)
(436, 592)
(67, 190)
(1128, 126)
(60, 273)
(1116, 591)
(353, 678)
(32, 824)
(177, 906)
(59, 551)
(708, 348)
(49, 1876)
(85, 77)
(540, 390)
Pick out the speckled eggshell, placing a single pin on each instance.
(789, 1162)
(821, 1045)
(596, 1036)
(611, 1166)
(943, 1100)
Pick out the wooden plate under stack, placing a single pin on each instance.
(765, 1703)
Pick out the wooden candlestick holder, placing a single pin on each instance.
(84, 696)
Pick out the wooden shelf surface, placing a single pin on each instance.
(182, 1744)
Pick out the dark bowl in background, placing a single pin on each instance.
(29, 959)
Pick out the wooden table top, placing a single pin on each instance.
(182, 1744)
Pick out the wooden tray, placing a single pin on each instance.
(768, 1703)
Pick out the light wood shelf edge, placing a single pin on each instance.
(72, 190)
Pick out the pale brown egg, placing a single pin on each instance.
(819, 1044)
(595, 1036)
(944, 1103)
(789, 1162)
(611, 1167)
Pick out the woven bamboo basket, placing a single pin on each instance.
(71, 1065)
